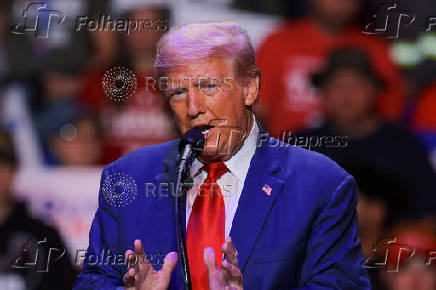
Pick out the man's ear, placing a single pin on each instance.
(251, 91)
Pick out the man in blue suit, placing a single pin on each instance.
(283, 217)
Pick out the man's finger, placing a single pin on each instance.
(139, 250)
(232, 270)
(232, 246)
(229, 251)
(170, 262)
(129, 278)
(140, 254)
(138, 259)
(131, 259)
(210, 260)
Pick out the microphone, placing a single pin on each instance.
(191, 145)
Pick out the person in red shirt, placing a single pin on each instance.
(294, 51)
(423, 123)
(424, 118)
(143, 118)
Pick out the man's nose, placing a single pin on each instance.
(196, 103)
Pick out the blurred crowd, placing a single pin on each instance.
(322, 77)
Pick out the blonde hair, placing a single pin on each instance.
(185, 43)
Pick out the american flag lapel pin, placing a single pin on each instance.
(267, 189)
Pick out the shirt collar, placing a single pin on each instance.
(239, 163)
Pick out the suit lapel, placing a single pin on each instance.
(255, 204)
(164, 195)
(253, 209)
(164, 208)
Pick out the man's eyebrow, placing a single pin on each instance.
(204, 81)
(176, 90)
(209, 80)
(176, 87)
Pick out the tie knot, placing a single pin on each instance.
(215, 170)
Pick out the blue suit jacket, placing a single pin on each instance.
(304, 235)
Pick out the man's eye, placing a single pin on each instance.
(178, 93)
(208, 86)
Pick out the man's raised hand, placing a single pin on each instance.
(229, 277)
(141, 275)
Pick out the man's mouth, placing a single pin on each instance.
(207, 130)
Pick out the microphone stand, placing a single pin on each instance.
(182, 175)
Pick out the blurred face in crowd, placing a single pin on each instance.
(79, 145)
(2, 24)
(59, 86)
(349, 96)
(145, 39)
(220, 110)
(336, 14)
(414, 275)
(372, 215)
(6, 177)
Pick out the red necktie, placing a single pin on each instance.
(206, 226)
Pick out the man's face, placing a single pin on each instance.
(84, 149)
(6, 178)
(349, 96)
(209, 97)
(337, 14)
(372, 216)
(416, 275)
(152, 26)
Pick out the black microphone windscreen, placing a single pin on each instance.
(195, 138)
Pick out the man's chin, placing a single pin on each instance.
(212, 155)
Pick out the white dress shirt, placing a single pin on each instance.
(231, 183)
